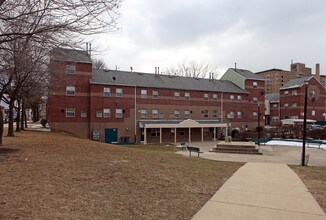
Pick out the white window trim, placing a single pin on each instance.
(70, 110)
(70, 90)
(106, 113)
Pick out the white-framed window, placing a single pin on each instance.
(286, 105)
(286, 92)
(215, 113)
(294, 92)
(176, 95)
(143, 93)
(205, 113)
(230, 115)
(254, 84)
(98, 114)
(106, 113)
(154, 113)
(143, 113)
(106, 91)
(83, 114)
(239, 114)
(155, 94)
(294, 105)
(70, 112)
(187, 114)
(254, 99)
(274, 118)
(155, 132)
(255, 115)
(274, 105)
(176, 113)
(70, 69)
(118, 113)
(239, 98)
(215, 97)
(70, 90)
(231, 97)
(171, 115)
(118, 92)
(206, 97)
(161, 115)
(187, 96)
(294, 117)
(313, 113)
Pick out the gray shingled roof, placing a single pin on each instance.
(162, 81)
(298, 82)
(247, 74)
(71, 55)
(176, 121)
(273, 97)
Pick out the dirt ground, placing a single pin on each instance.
(56, 176)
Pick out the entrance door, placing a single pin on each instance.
(111, 135)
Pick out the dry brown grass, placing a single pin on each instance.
(315, 180)
(56, 176)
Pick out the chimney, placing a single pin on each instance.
(158, 70)
(318, 71)
(155, 70)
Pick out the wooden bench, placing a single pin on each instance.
(194, 149)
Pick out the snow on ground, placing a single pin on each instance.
(295, 144)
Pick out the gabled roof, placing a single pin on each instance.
(128, 78)
(273, 97)
(71, 55)
(270, 70)
(247, 74)
(298, 82)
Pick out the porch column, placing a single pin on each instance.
(189, 135)
(160, 135)
(145, 135)
(226, 131)
(214, 133)
(202, 134)
(175, 135)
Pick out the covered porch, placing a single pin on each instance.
(162, 131)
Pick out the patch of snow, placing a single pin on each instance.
(295, 144)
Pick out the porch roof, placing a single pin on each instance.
(188, 123)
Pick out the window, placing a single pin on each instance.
(106, 113)
(294, 105)
(286, 92)
(154, 113)
(239, 114)
(161, 115)
(231, 115)
(294, 92)
(83, 114)
(274, 105)
(254, 84)
(232, 97)
(239, 98)
(286, 105)
(181, 132)
(70, 90)
(294, 117)
(118, 113)
(205, 113)
(187, 114)
(215, 97)
(155, 94)
(143, 94)
(118, 92)
(215, 113)
(254, 99)
(171, 115)
(176, 114)
(70, 112)
(206, 97)
(254, 115)
(313, 113)
(275, 118)
(155, 132)
(176, 95)
(106, 91)
(98, 114)
(143, 113)
(187, 96)
(70, 69)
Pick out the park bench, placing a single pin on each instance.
(194, 149)
(182, 146)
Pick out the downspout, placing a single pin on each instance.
(135, 116)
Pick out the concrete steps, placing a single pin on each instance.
(236, 149)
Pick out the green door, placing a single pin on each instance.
(111, 135)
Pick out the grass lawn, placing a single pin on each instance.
(56, 176)
(315, 180)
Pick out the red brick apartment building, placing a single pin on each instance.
(289, 102)
(119, 106)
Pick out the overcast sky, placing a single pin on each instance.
(257, 34)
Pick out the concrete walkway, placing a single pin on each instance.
(262, 191)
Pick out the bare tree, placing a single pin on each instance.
(191, 69)
(99, 64)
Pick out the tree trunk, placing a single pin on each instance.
(1, 126)
(11, 119)
(17, 119)
(36, 115)
(23, 115)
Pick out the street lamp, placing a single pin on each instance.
(303, 155)
(258, 128)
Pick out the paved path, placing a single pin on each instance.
(262, 191)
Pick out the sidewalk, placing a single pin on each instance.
(262, 191)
